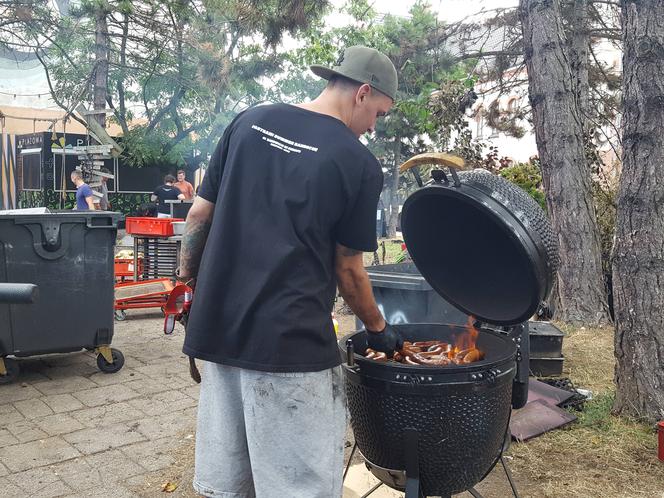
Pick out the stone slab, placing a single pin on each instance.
(105, 395)
(34, 454)
(9, 415)
(71, 384)
(60, 423)
(10, 393)
(33, 408)
(114, 465)
(7, 439)
(42, 482)
(122, 377)
(89, 441)
(108, 414)
(163, 403)
(60, 403)
(153, 455)
(26, 431)
(9, 489)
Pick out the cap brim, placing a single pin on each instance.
(324, 72)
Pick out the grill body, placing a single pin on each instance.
(461, 414)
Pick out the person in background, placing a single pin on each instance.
(164, 193)
(84, 196)
(185, 187)
(102, 203)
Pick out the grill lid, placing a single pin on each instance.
(483, 244)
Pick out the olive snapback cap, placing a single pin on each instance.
(364, 65)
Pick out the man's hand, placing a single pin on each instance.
(387, 340)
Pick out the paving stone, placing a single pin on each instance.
(7, 439)
(153, 455)
(3, 470)
(114, 465)
(147, 386)
(193, 391)
(37, 453)
(9, 414)
(9, 393)
(80, 475)
(108, 415)
(160, 371)
(71, 384)
(33, 408)
(60, 403)
(57, 424)
(169, 424)
(165, 402)
(122, 377)
(117, 492)
(105, 395)
(90, 441)
(26, 431)
(8, 489)
(75, 370)
(42, 482)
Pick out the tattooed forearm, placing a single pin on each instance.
(193, 243)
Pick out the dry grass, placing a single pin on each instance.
(600, 455)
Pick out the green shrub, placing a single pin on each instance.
(528, 177)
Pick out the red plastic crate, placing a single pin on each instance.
(124, 267)
(160, 227)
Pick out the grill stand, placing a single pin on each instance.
(411, 438)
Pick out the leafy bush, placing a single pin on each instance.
(527, 176)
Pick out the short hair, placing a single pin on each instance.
(182, 171)
(343, 83)
(169, 179)
(77, 173)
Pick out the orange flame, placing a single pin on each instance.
(465, 340)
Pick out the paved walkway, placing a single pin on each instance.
(67, 429)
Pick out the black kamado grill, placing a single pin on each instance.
(486, 247)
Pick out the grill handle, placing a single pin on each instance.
(350, 353)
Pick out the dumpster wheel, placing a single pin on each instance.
(106, 367)
(120, 315)
(8, 370)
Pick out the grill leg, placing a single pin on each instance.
(509, 476)
(350, 459)
(411, 438)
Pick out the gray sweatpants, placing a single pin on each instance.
(265, 435)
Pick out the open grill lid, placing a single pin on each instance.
(482, 243)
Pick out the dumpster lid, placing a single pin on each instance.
(470, 255)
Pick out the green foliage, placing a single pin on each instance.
(178, 66)
(597, 411)
(605, 208)
(529, 177)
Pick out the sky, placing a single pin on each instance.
(448, 10)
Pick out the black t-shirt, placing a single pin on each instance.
(287, 184)
(166, 193)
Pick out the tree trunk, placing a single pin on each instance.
(394, 190)
(566, 177)
(579, 44)
(101, 64)
(638, 263)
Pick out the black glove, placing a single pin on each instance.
(387, 340)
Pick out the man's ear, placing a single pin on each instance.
(363, 93)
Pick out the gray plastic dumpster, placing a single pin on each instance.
(69, 257)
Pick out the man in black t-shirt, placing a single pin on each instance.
(164, 193)
(285, 210)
